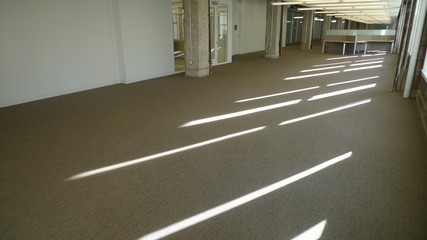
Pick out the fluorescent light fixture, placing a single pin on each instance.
(344, 1)
(241, 113)
(277, 94)
(347, 11)
(340, 92)
(367, 14)
(326, 112)
(330, 8)
(311, 75)
(352, 81)
(158, 155)
(324, 12)
(285, 3)
(369, 7)
(309, 9)
(349, 4)
(323, 1)
(203, 216)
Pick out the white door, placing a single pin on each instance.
(220, 31)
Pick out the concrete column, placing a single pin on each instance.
(272, 30)
(196, 38)
(348, 24)
(340, 25)
(326, 25)
(284, 25)
(307, 30)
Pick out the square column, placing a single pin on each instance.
(196, 38)
(327, 20)
(307, 30)
(348, 24)
(284, 24)
(272, 31)
(340, 23)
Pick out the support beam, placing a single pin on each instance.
(272, 30)
(307, 30)
(353, 25)
(417, 33)
(284, 24)
(327, 20)
(196, 40)
(348, 24)
(340, 23)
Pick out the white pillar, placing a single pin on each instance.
(272, 30)
(414, 44)
(340, 23)
(307, 30)
(326, 26)
(284, 25)
(196, 40)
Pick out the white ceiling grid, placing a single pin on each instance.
(365, 11)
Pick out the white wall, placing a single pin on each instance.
(251, 16)
(53, 47)
(147, 36)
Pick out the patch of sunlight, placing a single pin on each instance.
(241, 113)
(326, 112)
(311, 75)
(351, 81)
(330, 64)
(313, 233)
(321, 69)
(372, 59)
(362, 68)
(203, 216)
(365, 63)
(159, 155)
(337, 58)
(349, 90)
(277, 94)
(368, 55)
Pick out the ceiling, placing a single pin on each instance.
(365, 11)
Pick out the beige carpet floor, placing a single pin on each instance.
(160, 173)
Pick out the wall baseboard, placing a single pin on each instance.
(129, 81)
(54, 94)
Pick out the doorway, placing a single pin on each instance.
(178, 35)
(220, 32)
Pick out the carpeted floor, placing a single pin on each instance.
(164, 167)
